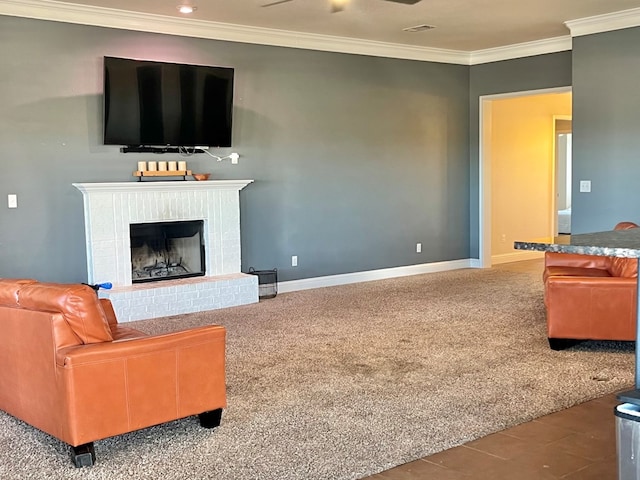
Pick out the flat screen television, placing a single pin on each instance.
(149, 103)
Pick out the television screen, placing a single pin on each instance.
(150, 103)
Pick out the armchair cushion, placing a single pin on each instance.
(570, 271)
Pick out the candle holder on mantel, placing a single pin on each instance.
(161, 173)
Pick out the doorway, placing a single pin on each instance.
(517, 170)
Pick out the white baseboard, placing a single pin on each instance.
(515, 257)
(356, 277)
(475, 263)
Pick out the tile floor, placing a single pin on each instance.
(578, 443)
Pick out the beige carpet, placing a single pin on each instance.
(343, 382)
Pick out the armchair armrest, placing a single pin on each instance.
(591, 307)
(117, 387)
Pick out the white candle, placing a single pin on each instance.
(162, 166)
(173, 166)
(182, 166)
(142, 166)
(153, 166)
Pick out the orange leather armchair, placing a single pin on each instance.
(590, 297)
(69, 369)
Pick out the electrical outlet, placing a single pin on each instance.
(503, 238)
(12, 200)
(418, 248)
(294, 261)
(234, 157)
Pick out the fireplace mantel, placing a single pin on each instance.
(152, 186)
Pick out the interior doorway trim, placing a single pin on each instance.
(484, 165)
(554, 173)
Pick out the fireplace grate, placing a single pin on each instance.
(159, 270)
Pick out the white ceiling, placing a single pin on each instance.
(461, 25)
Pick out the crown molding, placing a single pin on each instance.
(519, 50)
(604, 23)
(123, 19)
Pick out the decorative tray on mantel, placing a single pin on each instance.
(162, 173)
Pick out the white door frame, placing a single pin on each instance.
(484, 166)
(554, 175)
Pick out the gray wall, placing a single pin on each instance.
(355, 158)
(518, 75)
(606, 121)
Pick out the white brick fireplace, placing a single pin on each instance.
(110, 209)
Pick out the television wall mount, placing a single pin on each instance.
(145, 149)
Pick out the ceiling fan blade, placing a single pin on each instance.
(407, 2)
(278, 2)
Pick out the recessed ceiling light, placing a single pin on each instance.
(419, 28)
(186, 8)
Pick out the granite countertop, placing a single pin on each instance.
(613, 243)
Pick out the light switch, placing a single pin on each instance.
(585, 186)
(12, 200)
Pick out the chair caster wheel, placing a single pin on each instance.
(211, 419)
(83, 455)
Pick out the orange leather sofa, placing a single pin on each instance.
(69, 369)
(589, 297)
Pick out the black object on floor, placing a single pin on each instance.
(267, 282)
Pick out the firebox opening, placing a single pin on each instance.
(166, 250)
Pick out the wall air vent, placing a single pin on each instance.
(419, 28)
